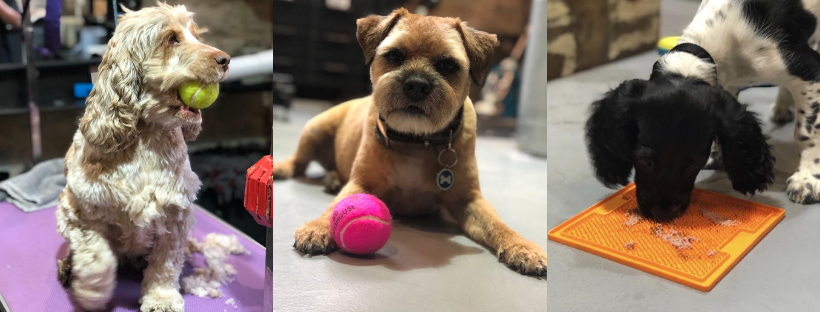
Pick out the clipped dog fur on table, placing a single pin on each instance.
(216, 248)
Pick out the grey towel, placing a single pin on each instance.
(36, 189)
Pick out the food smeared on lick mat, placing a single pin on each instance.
(696, 250)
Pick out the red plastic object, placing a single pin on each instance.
(258, 191)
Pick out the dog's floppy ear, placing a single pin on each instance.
(612, 132)
(191, 131)
(371, 30)
(747, 157)
(110, 119)
(479, 46)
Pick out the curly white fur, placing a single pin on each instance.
(129, 181)
(216, 248)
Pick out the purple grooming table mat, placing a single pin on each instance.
(30, 247)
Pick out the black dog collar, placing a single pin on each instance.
(693, 49)
(438, 141)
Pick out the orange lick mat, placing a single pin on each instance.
(696, 250)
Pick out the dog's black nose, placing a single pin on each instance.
(417, 88)
(223, 59)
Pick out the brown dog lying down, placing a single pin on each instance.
(412, 143)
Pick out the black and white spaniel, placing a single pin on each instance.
(664, 127)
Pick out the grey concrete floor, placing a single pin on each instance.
(428, 264)
(780, 274)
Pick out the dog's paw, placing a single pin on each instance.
(525, 257)
(64, 271)
(715, 161)
(165, 300)
(315, 238)
(333, 184)
(803, 187)
(781, 115)
(282, 170)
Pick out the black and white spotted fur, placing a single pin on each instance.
(750, 42)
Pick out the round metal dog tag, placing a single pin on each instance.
(445, 179)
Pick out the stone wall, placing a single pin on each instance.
(500, 17)
(586, 33)
(507, 19)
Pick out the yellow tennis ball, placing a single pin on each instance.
(198, 95)
(667, 43)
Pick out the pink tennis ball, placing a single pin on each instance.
(361, 224)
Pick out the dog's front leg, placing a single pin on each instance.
(804, 185)
(160, 286)
(782, 112)
(314, 237)
(480, 221)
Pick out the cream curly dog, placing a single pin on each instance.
(129, 182)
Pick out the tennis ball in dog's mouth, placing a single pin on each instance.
(198, 95)
(361, 224)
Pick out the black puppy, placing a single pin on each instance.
(664, 128)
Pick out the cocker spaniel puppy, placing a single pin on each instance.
(129, 182)
(663, 127)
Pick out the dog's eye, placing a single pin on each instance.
(446, 66)
(646, 162)
(692, 168)
(173, 40)
(394, 56)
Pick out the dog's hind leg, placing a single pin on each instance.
(93, 268)
(89, 270)
(783, 107)
(333, 183)
(64, 271)
(315, 143)
(804, 185)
